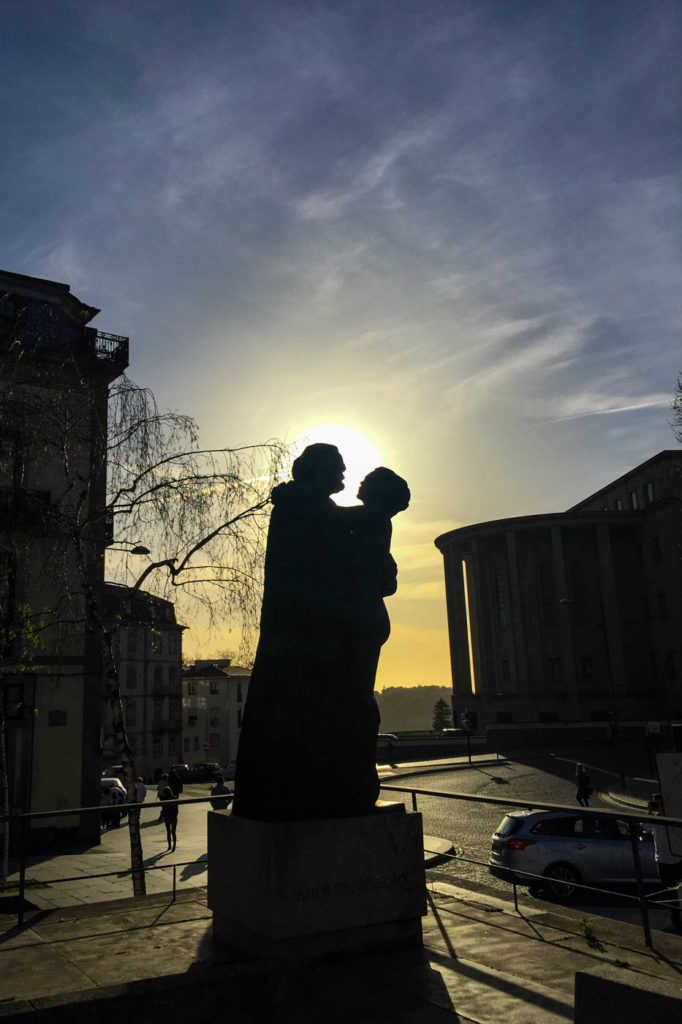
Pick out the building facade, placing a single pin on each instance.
(213, 700)
(55, 373)
(148, 650)
(572, 616)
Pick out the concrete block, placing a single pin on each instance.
(607, 993)
(304, 888)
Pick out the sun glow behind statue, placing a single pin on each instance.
(359, 453)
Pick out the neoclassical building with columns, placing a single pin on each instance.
(569, 616)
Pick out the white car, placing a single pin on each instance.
(566, 849)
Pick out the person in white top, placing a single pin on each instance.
(669, 864)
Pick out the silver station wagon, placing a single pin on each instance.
(567, 849)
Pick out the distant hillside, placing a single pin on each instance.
(409, 707)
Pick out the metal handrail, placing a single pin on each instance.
(634, 820)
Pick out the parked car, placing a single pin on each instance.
(115, 772)
(230, 770)
(182, 770)
(447, 733)
(205, 771)
(385, 737)
(567, 849)
(106, 786)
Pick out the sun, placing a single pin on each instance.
(359, 453)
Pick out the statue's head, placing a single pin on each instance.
(320, 466)
(385, 491)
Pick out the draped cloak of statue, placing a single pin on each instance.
(308, 741)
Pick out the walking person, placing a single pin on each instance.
(175, 782)
(583, 786)
(669, 865)
(162, 784)
(140, 790)
(169, 814)
(222, 794)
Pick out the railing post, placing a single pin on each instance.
(643, 906)
(414, 801)
(174, 883)
(22, 869)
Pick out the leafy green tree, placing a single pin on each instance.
(442, 716)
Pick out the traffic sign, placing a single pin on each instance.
(206, 748)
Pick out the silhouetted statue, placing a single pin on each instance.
(308, 740)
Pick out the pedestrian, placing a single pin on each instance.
(118, 797)
(162, 783)
(140, 790)
(583, 786)
(669, 864)
(169, 814)
(175, 782)
(223, 794)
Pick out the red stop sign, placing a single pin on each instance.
(206, 748)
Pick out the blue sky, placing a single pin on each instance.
(451, 226)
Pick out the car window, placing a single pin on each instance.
(558, 826)
(509, 826)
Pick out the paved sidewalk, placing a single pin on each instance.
(155, 960)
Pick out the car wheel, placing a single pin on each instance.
(561, 881)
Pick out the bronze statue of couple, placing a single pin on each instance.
(308, 741)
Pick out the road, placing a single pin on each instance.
(470, 825)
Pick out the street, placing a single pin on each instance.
(468, 825)
(541, 777)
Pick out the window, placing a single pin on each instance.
(239, 693)
(191, 689)
(619, 504)
(499, 600)
(185, 744)
(196, 742)
(547, 593)
(214, 686)
(172, 641)
(158, 711)
(649, 491)
(554, 669)
(192, 720)
(557, 826)
(669, 670)
(505, 670)
(239, 718)
(131, 677)
(172, 744)
(662, 607)
(586, 665)
(131, 712)
(633, 499)
(173, 709)
(156, 747)
(172, 677)
(133, 640)
(158, 677)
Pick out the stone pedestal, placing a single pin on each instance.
(306, 888)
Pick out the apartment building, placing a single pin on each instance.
(213, 700)
(55, 372)
(148, 646)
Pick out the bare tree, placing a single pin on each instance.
(677, 409)
(115, 472)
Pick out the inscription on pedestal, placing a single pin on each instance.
(290, 879)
